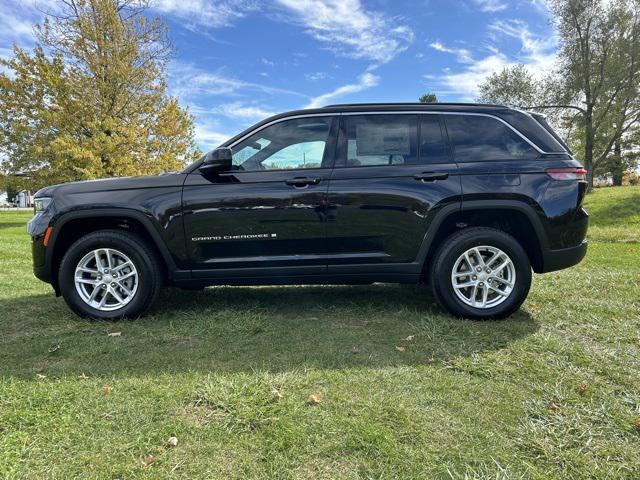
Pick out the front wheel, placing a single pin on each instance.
(481, 273)
(110, 274)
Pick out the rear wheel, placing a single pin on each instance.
(481, 273)
(110, 274)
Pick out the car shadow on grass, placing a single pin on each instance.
(244, 329)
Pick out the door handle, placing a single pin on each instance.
(430, 176)
(302, 182)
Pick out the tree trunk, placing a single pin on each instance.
(617, 168)
(588, 147)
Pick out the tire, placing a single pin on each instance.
(465, 302)
(142, 276)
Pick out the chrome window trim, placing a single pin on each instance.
(395, 112)
(279, 120)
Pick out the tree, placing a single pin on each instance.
(512, 86)
(595, 86)
(428, 98)
(90, 100)
(599, 71)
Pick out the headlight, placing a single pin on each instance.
(40, 204)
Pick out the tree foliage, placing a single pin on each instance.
(593, 93)
(599, 70)
(428, 98)
(90, 100)
(512, 86)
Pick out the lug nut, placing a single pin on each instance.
(488, 270)
(99, 277)
(104, 285)
(478, 269)
(481, 284)
(106, 270)
(474, 277)
(113, 284)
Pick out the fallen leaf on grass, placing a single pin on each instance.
(40, 376)
(315, 399)
(399, 348)
(107, 390)
(82, 376)
(553, 407)
(354, 350)
(582, 388)
(637, 424)
(172, 442)
(115, 334)
(147, 460)
(54, 349)
(276, 393)
(410, 338)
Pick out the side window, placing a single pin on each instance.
(477, 138)
(373, 140)
(433, 148)
(287, 145)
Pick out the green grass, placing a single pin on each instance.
(551, 393)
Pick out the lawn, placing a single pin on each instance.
(262, 382)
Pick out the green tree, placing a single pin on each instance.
(428, 98)
(90, 101)
(511, 86)
(599, 71)
(593, 93)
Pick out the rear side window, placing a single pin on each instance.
(477, 138)
(433, 148)
(375, 140)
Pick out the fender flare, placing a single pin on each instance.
(147, 222)
(476, 205)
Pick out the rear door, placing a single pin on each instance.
(393, 173)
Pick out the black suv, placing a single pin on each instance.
(466, 198)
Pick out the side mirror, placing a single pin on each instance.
(218, 160)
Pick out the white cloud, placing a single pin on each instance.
(537, 53)
(208, 13)
(239, 110)
(464, 56)
(209, 138)
(365, 81)
(350, 30)
(188, 82)
(316, 76)
(491, 5)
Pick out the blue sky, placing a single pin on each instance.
(238, 61)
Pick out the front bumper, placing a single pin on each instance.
(566, 257)
(36, 228)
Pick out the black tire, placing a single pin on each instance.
(150, 273)
(458, 243)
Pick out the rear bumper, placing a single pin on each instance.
(566, 257)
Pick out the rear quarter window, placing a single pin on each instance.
(476, 138)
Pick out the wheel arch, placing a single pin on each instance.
(70, 226)
(516, 218)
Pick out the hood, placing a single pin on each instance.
(113, 184)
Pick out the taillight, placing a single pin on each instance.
(579, 174)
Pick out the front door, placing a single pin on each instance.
(267, 215)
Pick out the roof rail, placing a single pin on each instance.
(453, 104)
